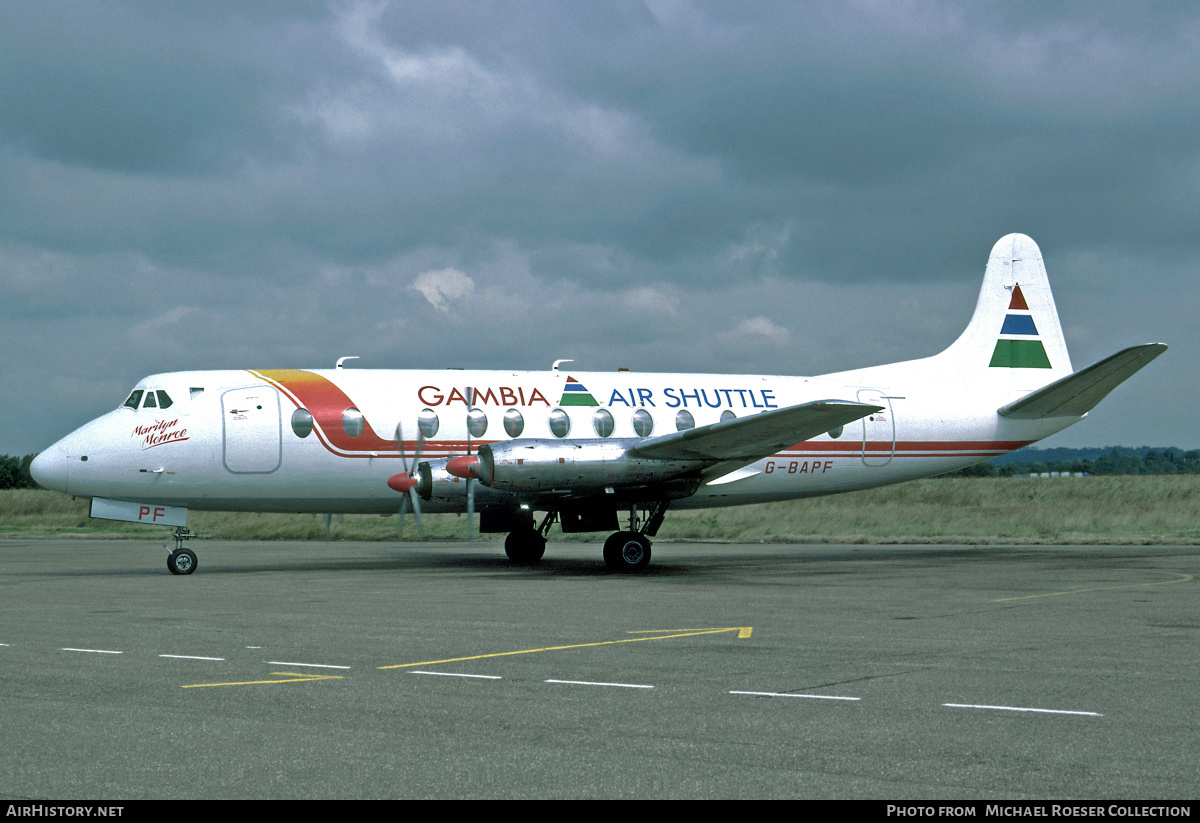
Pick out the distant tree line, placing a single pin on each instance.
(14, 472)
(1117, 461)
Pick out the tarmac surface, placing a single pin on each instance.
(374, 670)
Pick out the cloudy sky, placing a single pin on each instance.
(662, 185)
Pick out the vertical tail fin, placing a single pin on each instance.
(1014, 334)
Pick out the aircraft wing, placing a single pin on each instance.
(747, 439)
(1076, 394)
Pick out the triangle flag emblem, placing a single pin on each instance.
(1018, 299)
(1019, 345)
(575, 394)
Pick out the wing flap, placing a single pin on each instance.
(747, 439)
(1076, 394)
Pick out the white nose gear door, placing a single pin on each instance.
(253, 438)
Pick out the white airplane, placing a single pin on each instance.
(582, 447)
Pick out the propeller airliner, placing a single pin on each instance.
(584, 449)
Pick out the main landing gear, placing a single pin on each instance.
(181, 560)
(629, 551)
(525, 546)
(624, 551)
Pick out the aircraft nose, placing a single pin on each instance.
(49, 469)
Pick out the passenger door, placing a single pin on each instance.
(252, 434)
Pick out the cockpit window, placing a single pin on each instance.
(149, 399)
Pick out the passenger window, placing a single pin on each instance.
(302, 423)
(477, 422)
(514, 423)
(164, 400)
(353, 422)
(134, 399)
(560, 423)
(427, 422)
(602, 422)
(643, 423)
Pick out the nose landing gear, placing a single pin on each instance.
(181, 560)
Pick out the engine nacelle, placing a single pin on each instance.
(438, 486)
(536, 465)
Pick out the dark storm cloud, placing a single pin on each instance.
(927, 119)
(671, 185)
(140, 87)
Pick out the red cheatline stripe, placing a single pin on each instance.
(953, 446)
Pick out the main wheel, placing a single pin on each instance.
(525, 546)
(627, 552)
(181, 561)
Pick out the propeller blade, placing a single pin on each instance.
(406, 482)
(416, 501)
(412, 489)
(470, 509)
(400, 446)
(470, 482)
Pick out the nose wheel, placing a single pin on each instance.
(181, 560)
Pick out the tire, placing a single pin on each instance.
(525, 546)
(627, 552)
(182, 561)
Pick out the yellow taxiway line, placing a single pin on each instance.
(289, 677)
(1182, 578)
(662, 634)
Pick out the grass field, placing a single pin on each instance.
(1143, 509)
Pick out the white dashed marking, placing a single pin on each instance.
(457, 674)
(309, 665)
(590, 683)
(1018, 709)
(786, 694)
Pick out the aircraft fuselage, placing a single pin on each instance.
(241, 440)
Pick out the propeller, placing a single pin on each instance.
(464, 466)
(406, 481)
(470, 479)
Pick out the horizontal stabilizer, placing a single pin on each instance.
(1076, 394)
(747, 439)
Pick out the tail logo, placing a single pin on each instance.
(575, 394)
(1019, 346)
